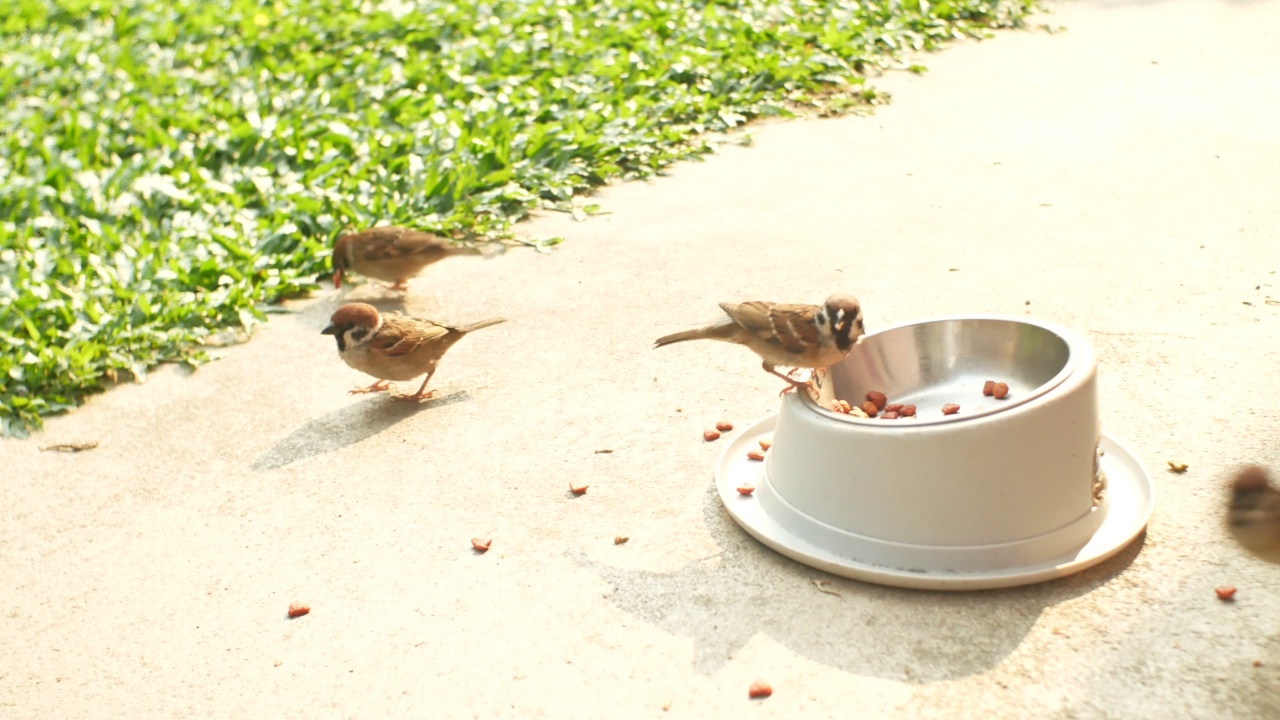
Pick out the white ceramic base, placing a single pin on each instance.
(771, 520)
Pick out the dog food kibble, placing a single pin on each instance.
(908, 411)
(755, 455)
(889, 415)
(870, 408)
(766, 444)
(298, 609)
(746, 489)
(950, 409)
(1000, 391)
(723, 426)
(710, 435)
(878, 398)
(893, 407)
(481, 544)
(759, 690)
(1225, 592)
(989, 388)
(620, 539)
(577, 489)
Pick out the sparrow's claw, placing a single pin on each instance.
(401, 285)
(791, 384)
(376, 387)
(416, 396)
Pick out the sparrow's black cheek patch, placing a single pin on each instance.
(359, 333)
(844, 334)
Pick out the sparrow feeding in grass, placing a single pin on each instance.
(1253, 517)
(796, 336)
(393, 346)
(390, 254)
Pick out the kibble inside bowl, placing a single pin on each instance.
(948, 362)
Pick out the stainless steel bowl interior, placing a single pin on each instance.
(932, 363)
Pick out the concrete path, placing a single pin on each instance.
(1122, 178)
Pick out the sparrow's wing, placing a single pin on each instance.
(789, 327)
(401, 335)
(390, 243)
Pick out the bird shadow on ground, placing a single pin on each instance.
(346, 426)
(915, 636)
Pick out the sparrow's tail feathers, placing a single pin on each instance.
(713, 332)
(480, 325)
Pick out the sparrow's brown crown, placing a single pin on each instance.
(360, 317)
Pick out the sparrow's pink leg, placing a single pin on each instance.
(420, 395)
(401, 285)
(376, 387)
(791, 384)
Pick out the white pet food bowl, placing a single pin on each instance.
(1004, 492)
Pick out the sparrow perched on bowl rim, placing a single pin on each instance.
(394, 346)
(391, 254)
(1253, 515)
(796, 336)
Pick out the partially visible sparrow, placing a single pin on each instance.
(390, 254)
(393, 346)
(1253, 517)
(796, 336)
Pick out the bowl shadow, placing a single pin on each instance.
(916, 636)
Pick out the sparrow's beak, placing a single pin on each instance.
(337, 279)
(331, 330)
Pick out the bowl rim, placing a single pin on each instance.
(1068, 368)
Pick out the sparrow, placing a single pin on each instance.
(1253, 517)
(390, 254)
(393, 346)
(796, 336)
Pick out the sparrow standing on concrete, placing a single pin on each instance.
(390, 254)
(393, 346)
(1253, 517)
(796, 336)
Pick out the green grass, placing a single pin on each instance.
(170, 167)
